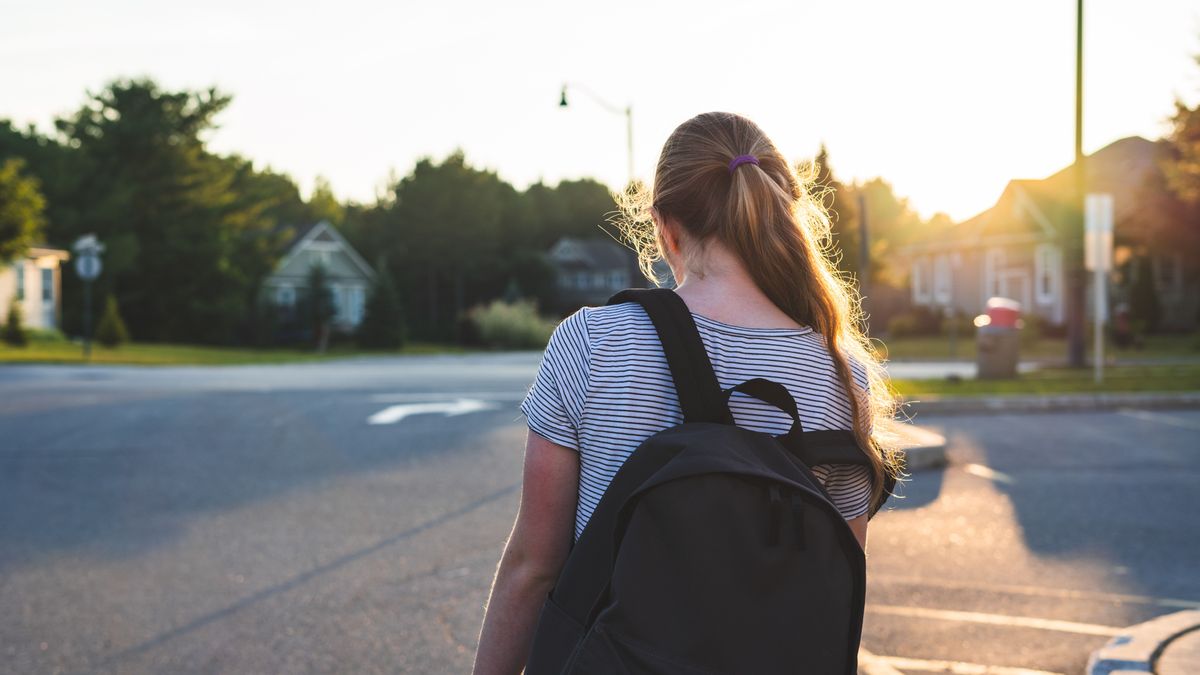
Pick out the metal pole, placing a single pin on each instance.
(1073, 249)
(1099, 311)
(629, 138)
(87, 321)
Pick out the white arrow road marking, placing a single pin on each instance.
(462, 406)
(998, 619)
(988, 473)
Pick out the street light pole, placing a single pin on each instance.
(627, 111)
(1073, 246)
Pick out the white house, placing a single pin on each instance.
(34, 281)
(348, 275)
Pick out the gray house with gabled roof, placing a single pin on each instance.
(348, 275)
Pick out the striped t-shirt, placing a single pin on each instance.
(604, 386)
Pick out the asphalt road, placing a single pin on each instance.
(251, 520)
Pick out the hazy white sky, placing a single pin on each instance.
(947, 99)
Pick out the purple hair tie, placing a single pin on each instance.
(740, 160)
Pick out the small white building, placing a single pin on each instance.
(348, 275)
(34, 281)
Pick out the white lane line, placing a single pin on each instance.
(870, 664)
(988, 473)
(395, 413)
(997, 619)
(1040, 591)
(957, 667)
(1159, 418)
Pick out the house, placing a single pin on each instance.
(348, 275)
(590, 271)
(1015, 248)
(34, 281)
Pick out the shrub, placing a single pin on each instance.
(510, 326)
(14, 332)
(45, 335)
(111, 330)
(919, 321)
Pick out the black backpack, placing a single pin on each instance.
(714, 549)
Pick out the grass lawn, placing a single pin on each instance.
(938, 348)
(146, 354)
(1063, 381)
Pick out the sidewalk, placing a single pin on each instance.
(1167, 645)
(923, 449)
(1021, 403)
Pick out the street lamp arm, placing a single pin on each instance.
(614, 109)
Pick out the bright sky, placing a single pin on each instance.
(947, 99)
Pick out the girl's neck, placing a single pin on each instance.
(718, 286)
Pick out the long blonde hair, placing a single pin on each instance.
(773, 218)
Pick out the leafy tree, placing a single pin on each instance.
(319, 299)
(21, 207)
(14, 333)
(1183, 165)
(111, 331)
(383, 325)
(322, 204)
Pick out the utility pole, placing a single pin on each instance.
(627, 111)
(1073, 230)
(864, 254)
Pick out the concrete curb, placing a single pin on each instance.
(1137, 648)
(923, 449)
(969, 405)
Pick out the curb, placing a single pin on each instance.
(968, 405)
(922, 448)
(1137, 648)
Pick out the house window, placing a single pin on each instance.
(581, 280)
(564, 280)
(598, 280)
(1046, 263)
(19, 270)
(920, 280)
(993, 278)
(1166, 272)
(47, 285)
(618, 279)
(285, 295)
(357, 303)
(941, 280)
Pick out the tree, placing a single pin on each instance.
(21, 207)
(843, 212)
(1144, 306)
(383, 325)
(1183, 164)
(14, 333)
(111, 331)
(319, 298)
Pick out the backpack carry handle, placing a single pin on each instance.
(771, 392)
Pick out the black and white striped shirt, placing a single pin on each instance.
(604, 386)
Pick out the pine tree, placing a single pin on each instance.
(320, 305)
(14, 333)
(112, 331)
(383, 325)
(1144, 306)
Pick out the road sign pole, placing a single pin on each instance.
(1101, 299)
(87, 321)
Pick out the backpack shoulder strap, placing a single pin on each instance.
(696, 384)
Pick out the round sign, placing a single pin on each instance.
(88, 267)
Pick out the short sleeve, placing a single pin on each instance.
(849, 485)
(553, 405)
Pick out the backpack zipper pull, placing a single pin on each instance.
(798, 510)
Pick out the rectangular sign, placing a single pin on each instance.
(1098, 232)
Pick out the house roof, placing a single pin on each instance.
(321, 231)
(596, 253)
(1037, 209)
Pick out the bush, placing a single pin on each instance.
(510, 326)
(45, 335)
(919, 321)
(111, 331)
(14, 332)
